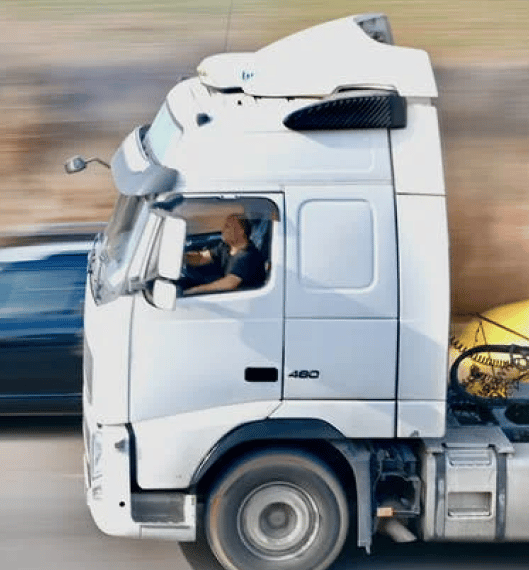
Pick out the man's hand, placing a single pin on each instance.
(197, 258)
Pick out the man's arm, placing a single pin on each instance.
(227, 283)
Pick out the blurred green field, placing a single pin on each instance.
(448, 29)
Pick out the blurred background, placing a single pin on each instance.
(77, 76)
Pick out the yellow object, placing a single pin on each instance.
(491, 374)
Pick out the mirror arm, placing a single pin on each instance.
(99, 161)
(78, 163)
(134, 285)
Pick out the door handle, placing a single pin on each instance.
(263, 374)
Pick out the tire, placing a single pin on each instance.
(277, 510)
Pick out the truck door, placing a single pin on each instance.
(214, 349)
(341, 294)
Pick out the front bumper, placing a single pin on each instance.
(115, 509)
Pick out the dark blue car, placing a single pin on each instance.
(42, 282)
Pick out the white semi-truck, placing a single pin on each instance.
(279, 415)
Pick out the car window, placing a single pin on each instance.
(53, 285)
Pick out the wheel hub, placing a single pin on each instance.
(278, 521)
(277, 515)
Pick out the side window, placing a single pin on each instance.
(337, 244)
(228, 244)
(53, 285)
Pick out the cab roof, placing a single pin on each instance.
(322, 60)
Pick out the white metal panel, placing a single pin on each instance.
(416, 152)
(379, 298)
(517, 501)
(109, 516)
(337, 53)
(280, 156)
(421, 418)
(107, 334)
(170, 449)
(424, 298)
(247, 142)
(349, 359)
(358, 419)
(195, 356)
(111, 505)
(470, 493)
(351, 242)
(182, 364)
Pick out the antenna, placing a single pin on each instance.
(228, 26)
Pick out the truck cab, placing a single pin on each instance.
(327, 144)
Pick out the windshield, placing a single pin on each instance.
(114, 254)
(163, 135)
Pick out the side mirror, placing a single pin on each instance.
(171, 252)
(169, 264)
(75, 164)
(165, 294)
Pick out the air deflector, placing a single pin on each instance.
(363, 110)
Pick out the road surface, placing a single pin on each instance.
(44, 523)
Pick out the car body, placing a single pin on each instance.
(42, 285)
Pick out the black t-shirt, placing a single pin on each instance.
(247, 263)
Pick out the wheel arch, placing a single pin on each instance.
(312, 435)
(349, 460)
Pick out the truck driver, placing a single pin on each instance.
(238, 261)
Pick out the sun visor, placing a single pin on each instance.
(135, 175)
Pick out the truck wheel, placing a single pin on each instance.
(277, 510)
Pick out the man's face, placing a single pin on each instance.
(232, 232)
